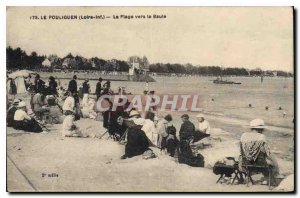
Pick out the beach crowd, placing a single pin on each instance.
(139, 132)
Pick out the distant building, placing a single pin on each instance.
(270, 73)
(138, 64)
(46, 63)
(67, 63)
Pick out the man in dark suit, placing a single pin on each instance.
(98, 88)
(73, 85)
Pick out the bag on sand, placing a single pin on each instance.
(185, 156)
(224, 167)
(195, 161)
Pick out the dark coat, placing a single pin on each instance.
(72, 86)
(98, 88)
(52, 87)
(187, 130)
(13, 88)
(28, 126)
(10, 116)
(137, 142)
(85, 88)
(39, 85)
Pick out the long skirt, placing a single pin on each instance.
(137, 142)
(28, 126)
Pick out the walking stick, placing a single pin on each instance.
(40, 124)
(103, 134)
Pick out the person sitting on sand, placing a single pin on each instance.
(147, 124)
(137, 141)
(39, 104)
(254, 144)
(11, 113)
(171, 141)
(149, 128)
(22, 121)
(203, 130)
(161, 128)
(69, 129)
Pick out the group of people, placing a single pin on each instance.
(142, 133)
(138, 133)
(19, 119)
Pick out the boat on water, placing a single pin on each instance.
(218, 81)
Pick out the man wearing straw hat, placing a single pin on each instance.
(22, 121)
(254, 144)
(11, 113)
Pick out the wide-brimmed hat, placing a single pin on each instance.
(21, 104)
(168, 118)
(133, 113)
(257, 124)
(185, 116)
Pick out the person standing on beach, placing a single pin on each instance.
(106, 87)
(52, 86)
(147, 87)
(12, 88)
(69, 104)
(186, 135)
(39, 84)
(73, 85)
(187, 128)
(98, 88)
(85, 91)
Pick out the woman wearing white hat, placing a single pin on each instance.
(254, 144)
(203, 128)
(22, 121)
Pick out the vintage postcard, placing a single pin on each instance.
(150, 99)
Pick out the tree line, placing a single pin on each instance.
(213, 70)
(19, 59)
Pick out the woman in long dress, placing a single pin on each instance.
(20, 83)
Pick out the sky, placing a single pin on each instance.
(250, 37)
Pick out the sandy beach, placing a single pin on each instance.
(46, 162)
(230, 69)
(93, 164)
